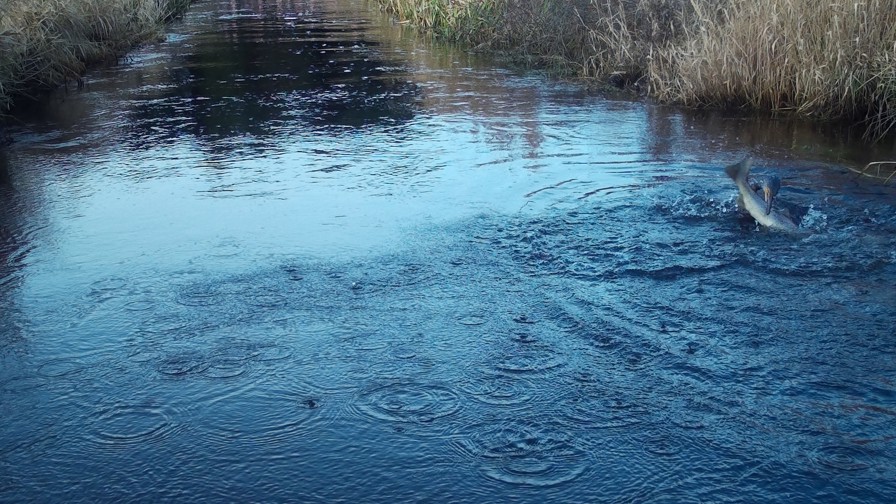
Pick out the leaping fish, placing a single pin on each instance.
(760, 207)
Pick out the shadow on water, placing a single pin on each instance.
(7, 246)
(275, 72)
(779, 136)
(20, 230)
(5, 181)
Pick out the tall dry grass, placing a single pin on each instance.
(836, 61)
(591, 38)
(44, 43)
(832, 61)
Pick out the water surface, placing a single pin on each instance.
(295, 253)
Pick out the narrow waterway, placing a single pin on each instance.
(298, 253)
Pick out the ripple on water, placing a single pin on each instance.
(603, 412)
(330, 376)
(229, 359)
(270, 353)
(139, 305)
(109, 284)
(168, 324)
(398, 277)
(204, 296)
(265, 415)
(661, 443)
(566, 322)
(266, 299)
(404, 351)
(184, 363)
(407, 402)
(641, 358)
(392, 368)
(143, 354)
(605, 341)
(530, 358)
(471, 320)
(523, 318)
(19, 384)
(225, 367)
(107, 288)
(129, 424)
(523, 337)
(500, 390)
(528, 453)
(368, 342)
(57, 368)
(690, 413)
(242, 350)
(841, 458)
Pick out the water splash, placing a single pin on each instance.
(815, 220)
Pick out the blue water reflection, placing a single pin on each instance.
(295, 254)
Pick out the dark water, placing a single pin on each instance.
(295, 254)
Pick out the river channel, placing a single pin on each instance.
(296, 252)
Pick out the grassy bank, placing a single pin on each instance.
(833, 62)
(45, 43)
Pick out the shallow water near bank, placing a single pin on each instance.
(295, 253)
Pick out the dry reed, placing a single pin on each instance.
(45, 43)
(835, 62)
(830, 62)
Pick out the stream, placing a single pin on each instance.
(297, 252)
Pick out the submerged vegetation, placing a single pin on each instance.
(830, 62)
(45, 43)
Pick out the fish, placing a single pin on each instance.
(760, 207)
(765, 185)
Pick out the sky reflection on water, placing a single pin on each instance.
(295, 253)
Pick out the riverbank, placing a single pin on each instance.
(832, 64)
(47, 43)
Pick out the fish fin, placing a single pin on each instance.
(739, 171)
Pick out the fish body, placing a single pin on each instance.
(766, 186)
(758, 207)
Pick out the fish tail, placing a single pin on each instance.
(739, 171)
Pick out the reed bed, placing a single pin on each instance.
(832, 62)
(45, 43)
(835, 61)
